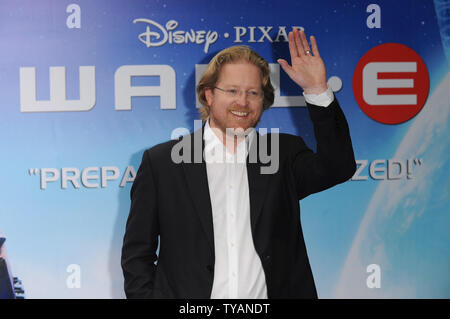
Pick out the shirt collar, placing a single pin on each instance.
(212, 141)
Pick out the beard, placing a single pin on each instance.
(231, 124)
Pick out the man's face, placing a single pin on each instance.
(240, 111)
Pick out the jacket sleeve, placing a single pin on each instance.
(141, 235)
(334, 160)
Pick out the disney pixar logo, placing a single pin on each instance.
(156, 35)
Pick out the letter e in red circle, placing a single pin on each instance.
(391, 83)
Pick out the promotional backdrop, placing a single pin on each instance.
(87, 86)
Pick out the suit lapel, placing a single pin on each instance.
(257, 184)
(197, 182)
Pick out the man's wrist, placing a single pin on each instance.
(319, 89)
(322, 99)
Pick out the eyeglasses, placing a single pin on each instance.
(252, 95)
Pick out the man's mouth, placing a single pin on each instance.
(240, 114)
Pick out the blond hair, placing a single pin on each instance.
(231, 55)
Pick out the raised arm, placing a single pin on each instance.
(334, 161)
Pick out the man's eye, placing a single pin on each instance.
(253, 93)
(232, 91)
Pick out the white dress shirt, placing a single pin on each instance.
(238, 271)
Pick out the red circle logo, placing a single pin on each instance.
(391, 83)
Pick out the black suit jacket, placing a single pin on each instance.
(172, 201)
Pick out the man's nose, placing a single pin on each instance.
(242, 98)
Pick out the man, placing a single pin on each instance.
(227, 230)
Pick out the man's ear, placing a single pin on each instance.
(209, 95)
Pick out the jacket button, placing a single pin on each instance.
(210, 268)
(267, 257)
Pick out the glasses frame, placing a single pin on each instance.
(238, 93)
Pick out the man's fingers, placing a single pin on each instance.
(304, 41)
(315, 49)
(292, 48)
(298, 43)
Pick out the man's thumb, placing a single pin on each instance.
(286, 67)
